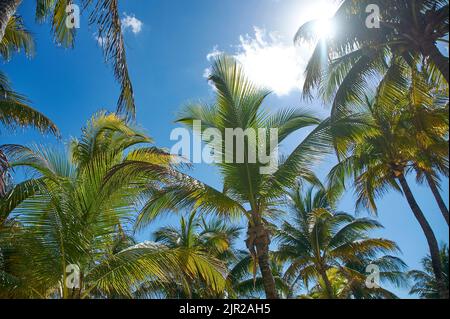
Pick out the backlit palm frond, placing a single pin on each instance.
(300, 161)
(123, 271)
(57, 9)
(238, 99)
(333, 249)
(107, 18)
(288, 121)
(44, 9)
(15, 114)
(186, 192)
(425, 285)
(106, 133)
(16, 39)
(105, 15)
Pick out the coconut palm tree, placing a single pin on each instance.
(425, 120)
(251, 188)
(15, 110)
(69, 219)
(332, 249)
(381, 161)
(425, 284)
(213, 238)
(342, 67)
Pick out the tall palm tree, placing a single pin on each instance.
(342, 67)
(425, 120)
(382, 160)
(15, 110)
(246, 191)
(425, 284)
(332, 249)
(68, 215)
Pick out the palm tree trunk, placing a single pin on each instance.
(437, 196)
(7, 9)
(266, 272)
(3, 171)
(429, 49)
(429, 234)
(259, 238)
(328, 287)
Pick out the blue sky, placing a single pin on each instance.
(168, 52)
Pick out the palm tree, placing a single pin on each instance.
(213, 238)
(15, 110)
(246, 191)
(342, 67)
(425, 120)
(67, 216)
(381, 160)
(332, 249)
(425, 282)
(104, 14)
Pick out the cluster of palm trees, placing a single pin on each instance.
(408, 111)
(82, 204)
(14, 37)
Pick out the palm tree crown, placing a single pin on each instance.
(332, 249)
(68, 215)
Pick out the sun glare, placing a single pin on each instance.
(322, 11)
(272, 61)
(324, 29)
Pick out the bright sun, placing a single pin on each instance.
(320, 10)
(271, 59)
(324, 28)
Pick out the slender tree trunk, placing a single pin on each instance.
(431, 50)
(3, 171)
(7, 9)
(259, 238)
(328, 287)
(437, 196)
(429, 234)
(266, 272)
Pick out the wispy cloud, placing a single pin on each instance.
(270, 60)
(129, 22)
(132, 23)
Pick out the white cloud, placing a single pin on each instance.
(213, 54)
(210, 57)
(270, 61)
(132, 23)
